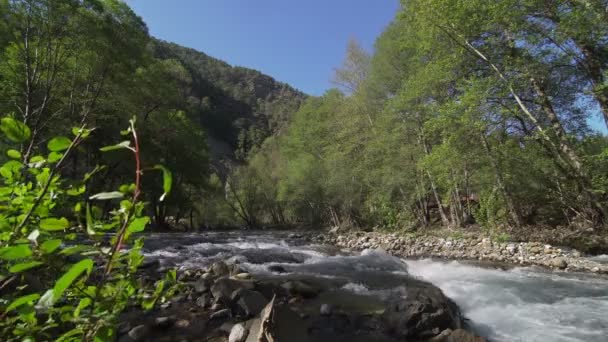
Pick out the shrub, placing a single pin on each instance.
(64, 278)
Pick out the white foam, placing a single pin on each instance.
(521, 304)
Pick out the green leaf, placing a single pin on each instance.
(58, 144)
(14, 154)
(53, 224)
(54, 157)
(15, 130)
(66, 280)
(49, 246)
(89, 217)
(23, 300)
(84, 303)
(83, 132)
(138, 225)
(15, 252)
(120, 146)
(76, 249)
(148, 303)
(24, 266)
(76, 191)
(167, 180)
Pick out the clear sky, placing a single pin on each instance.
(299, 42)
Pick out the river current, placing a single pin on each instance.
(518, 304)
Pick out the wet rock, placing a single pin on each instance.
(242, 276)
(202, 285)
(424, 313)
(163, 322)
(560, 263)
(204, 301)
(299, 288)
(182, 323)
(226, 327)
(223, 288)
(150, 264)
(325, 310)
(139, 333)
(220, 269)
(248, 302)
(458, 335)
(277, 269)
(238, 333)
(221, 314)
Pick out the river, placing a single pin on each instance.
(518, 304)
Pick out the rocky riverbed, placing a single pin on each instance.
(320, 292)
(470, 248)
(263, 289)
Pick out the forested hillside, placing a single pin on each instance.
(466, 112)
(93, 63)
(237, 106)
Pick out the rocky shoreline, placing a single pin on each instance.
(467, 248)
(224, 303)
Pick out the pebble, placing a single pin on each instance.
(479, 248)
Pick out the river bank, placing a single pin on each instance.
(503, 304)
(468, 248)
(232, 283)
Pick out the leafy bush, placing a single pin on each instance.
(68, 278)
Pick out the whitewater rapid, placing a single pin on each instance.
(520, 304)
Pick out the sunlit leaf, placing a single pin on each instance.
(52, 224)
(120, 146)
(24, 266)
(14, 154)
(58, 144)
(167, 180)
(15, 252)
(66, 280)
(54, 157)
(49, 246)
(15, 130)
(28, 299)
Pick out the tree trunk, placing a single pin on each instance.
(500, 183)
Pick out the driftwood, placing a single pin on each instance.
(267, 323)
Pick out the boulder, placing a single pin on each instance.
(248, 303)
(204, 301)
(139, 333)
(164, 322)
(424, 313)
(220, 269)
(223, 288)
(202, 285)
(300, 288)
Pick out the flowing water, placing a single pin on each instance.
(520, 304)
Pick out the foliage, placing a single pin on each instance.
(97, 278)
(467, 112)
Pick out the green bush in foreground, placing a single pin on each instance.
(65, 279)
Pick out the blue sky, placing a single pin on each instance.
(299, 42)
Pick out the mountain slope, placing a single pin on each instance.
(238, 107)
